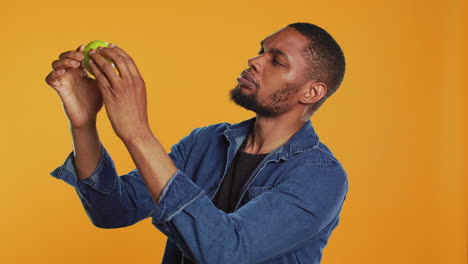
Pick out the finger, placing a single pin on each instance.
(105, 68)
(118, 59)
(72, 54)
(131, 63)
(103, 83)
(52, 78)
(65, 63)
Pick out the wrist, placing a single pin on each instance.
(88, 125)
(140, 137)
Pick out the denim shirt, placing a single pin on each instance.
(286, 211)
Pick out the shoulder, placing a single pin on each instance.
(319, 155)
(317, 162)
(316, 176)
(210, 130)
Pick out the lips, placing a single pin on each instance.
(247, 80)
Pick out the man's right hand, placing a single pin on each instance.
(79, 93)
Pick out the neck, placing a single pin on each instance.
(270, 133)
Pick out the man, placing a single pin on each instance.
(265, 190)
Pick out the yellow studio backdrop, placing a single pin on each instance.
(397, 123)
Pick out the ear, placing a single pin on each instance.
(313, 92)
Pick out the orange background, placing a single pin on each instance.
(397, 123)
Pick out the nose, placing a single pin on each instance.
(255, 64)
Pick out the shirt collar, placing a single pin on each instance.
(304, 139)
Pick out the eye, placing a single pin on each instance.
(274, 61)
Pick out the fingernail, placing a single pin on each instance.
(60, 71)
(112, 45)
(99, 48)
(91, 61)
(92, 51)
(74, 63)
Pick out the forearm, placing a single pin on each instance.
(152, 161)
(87, 149)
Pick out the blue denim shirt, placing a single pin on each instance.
(285, 214)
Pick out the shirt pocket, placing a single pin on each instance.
(253, 192)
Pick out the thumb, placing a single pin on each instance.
(80, 48)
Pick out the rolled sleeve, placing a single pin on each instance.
(178, 193)
(110, 201)
(306, 194)
(102, 179)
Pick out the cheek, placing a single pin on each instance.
(271, 83)
(268, 88)
(291, 77)
(278, 76)
(284, 95)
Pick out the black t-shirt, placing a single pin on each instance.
(238, 173)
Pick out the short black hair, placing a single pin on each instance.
(326, 61)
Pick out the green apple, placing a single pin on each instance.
(93, 45)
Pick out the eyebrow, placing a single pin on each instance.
(275, 50)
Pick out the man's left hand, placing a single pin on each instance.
(124, 94)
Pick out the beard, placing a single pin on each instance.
(279, 101)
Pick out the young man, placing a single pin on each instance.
(264, 190)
